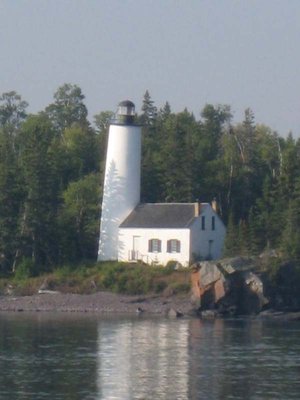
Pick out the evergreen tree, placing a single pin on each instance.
(257, 240)
(102, 121)
(81, 151)
(149, 111)
(79, 219)
(11, 195)
(177, 158)
(41, 185)
(291, 234)
(231, 244)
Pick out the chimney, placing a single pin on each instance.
(197, 207)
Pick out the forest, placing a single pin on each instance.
(52, 165)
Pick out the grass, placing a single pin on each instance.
(125, 278)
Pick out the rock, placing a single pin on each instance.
(93, 284)
(45, 285)
(9, 290)
(234, 264)
(209, 273)
(47, 288)
(229, 285)
(172, 313)
(168, 292)
(208, 314)
(42, 291)
(271, 253)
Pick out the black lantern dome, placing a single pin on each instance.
(126, 112)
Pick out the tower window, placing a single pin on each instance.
(203, 223)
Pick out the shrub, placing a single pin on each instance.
(180, 287)
(26, 269)
(160, 286)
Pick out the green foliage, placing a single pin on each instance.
(180, 288)
(127, 279)
(68, 108)
(26, 269)
(51, 170)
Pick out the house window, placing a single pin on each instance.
(154, 246)
(173, 246)
(213, 223)
(203, 223)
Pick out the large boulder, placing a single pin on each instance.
(228, 285)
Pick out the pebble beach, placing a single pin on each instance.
(100, 302)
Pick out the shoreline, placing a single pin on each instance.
(109, 304)
(99, 302)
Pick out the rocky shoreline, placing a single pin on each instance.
(107, 303)
(100, 302)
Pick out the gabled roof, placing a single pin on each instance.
(162, 215)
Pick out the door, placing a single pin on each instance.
(136, 248)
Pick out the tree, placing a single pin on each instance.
(176, 157)
(80, 150)
(215, 119)
(165, 111)
(12, 111)
(102, 121)
(291, 234)
(68, 108)
(79, 219)
(149, 111)
(11, 195)
(38, 235)
(231, 244)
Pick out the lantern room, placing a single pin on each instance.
(125, 113)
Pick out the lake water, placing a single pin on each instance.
(71, 356)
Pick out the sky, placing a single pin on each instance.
(242, 53)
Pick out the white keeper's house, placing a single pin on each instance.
(154, 233)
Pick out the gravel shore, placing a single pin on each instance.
(100, 302)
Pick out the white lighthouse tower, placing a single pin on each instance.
(121, 192)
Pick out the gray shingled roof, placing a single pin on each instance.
(161, 215)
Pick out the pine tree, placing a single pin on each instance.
(11, 195)
(41, 186)
(291, 234)
(149, 111)
(231, 244)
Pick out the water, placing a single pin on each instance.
(70, 356)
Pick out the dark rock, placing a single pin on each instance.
(172, 313)
(229, 285)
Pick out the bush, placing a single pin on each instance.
(26, 269)
(160, 286)
(178, 287)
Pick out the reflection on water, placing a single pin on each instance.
(56, 356)
(149, 359)
(47, 357)
(244, 359)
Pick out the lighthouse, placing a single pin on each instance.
(121, 192)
